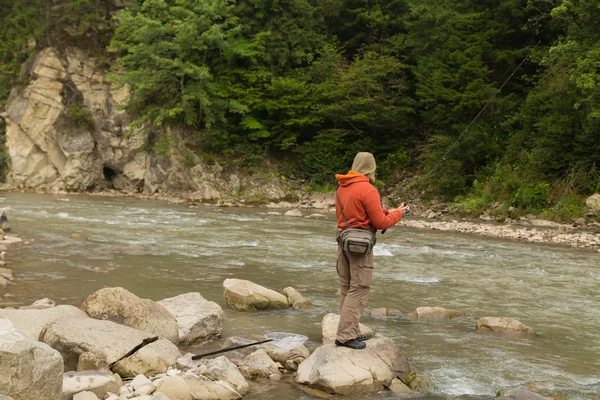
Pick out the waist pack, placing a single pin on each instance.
(357, 241)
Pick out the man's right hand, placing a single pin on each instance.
(402, 209)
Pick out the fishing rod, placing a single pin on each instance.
(443, 158)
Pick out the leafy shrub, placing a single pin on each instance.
(81, 116)
(531, 197)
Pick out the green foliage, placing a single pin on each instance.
(81, 116)
(531, 197)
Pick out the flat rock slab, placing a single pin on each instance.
(121, 306)
(79, 338)
(197, 318)
(340, 370)
(28, 369)
(31, 322)
(244, 295)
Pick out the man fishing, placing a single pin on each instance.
(359, 216)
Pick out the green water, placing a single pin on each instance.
(158, 250)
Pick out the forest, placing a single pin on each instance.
(304, 84)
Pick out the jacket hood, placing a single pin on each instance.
(350, 178)
(364, 163)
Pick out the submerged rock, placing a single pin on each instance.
(507, 326)
(330, 324)
(97, 382)
(196, 317)
(523, 394)
(244, 295)
(28, 369)
(341, 370)
(435, 314)
(32, 322)
(121, 306)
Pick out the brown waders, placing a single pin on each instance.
(355, 272)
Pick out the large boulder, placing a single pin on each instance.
(593, 202)
(435, 314)
(153, 359)
(244, 295)
(31, 321)
(121, 306)
(196, 317)
(80, 340)
(99, 383)
(340, 370)
(330, 324)
(28, 369)
(508, 326)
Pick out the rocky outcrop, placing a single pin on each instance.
(244, 295)
(508, 326)
(32, 322)
(435, 314)
(99, 383)
(196, 317)
(121, 306)
(340, 370)
(66, 130)
(28, 369)
(329, 327)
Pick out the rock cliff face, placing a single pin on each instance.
(66, 131)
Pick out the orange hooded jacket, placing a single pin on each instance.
(361, 204)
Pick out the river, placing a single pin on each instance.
(158, 250)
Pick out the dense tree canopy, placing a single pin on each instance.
(313, 81)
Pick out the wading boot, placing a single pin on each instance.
(352, 343)
(364, 336)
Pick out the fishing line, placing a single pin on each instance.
(443, 158)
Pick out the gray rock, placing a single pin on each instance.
(99, 383)
(221, 369)
(150, 360)
(121, 306)
(32, 322)
(196, 317)
(104, 340)
(258, 365)
(399, 387)
(341, 370)
(28, 369)
(244, 295)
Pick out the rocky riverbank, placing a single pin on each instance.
(117, 346)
